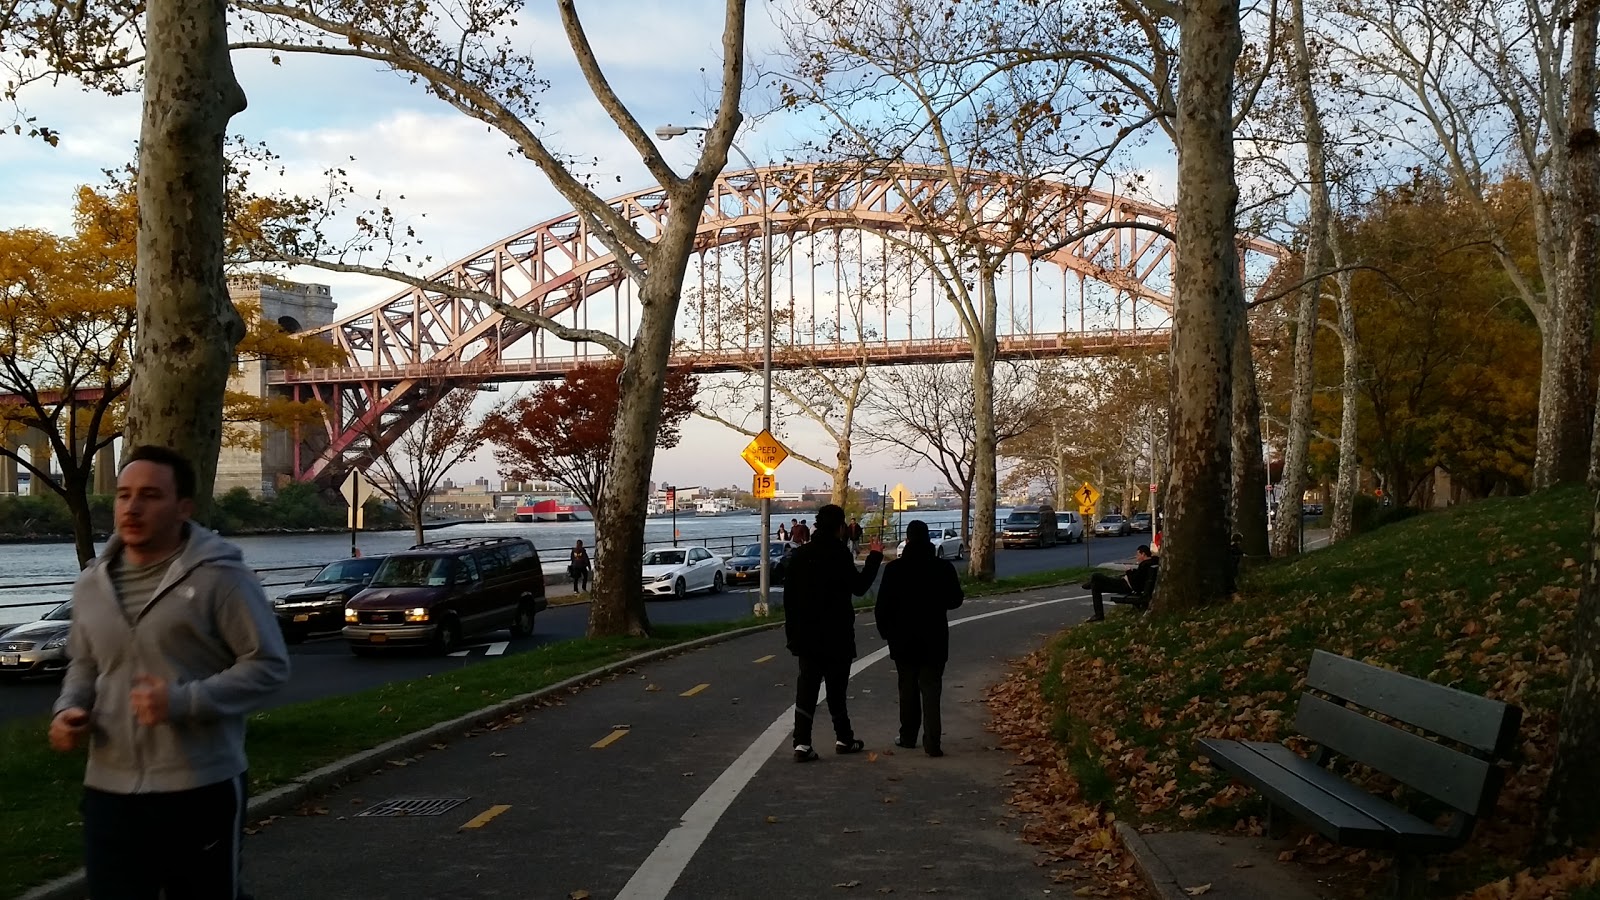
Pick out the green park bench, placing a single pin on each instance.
(1444, 744)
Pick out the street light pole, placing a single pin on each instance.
(667, 133)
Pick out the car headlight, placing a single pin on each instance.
(336, 598)
(666, 577)
(417, 614)
(350, 617)
(55, 643)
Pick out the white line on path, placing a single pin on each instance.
(497, 648)
(664, 866)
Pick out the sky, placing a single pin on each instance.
(462, 188)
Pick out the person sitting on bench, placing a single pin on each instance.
(1134, 583)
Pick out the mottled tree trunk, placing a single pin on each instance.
(1571, 817)
(1208, 299)
(842, 467)
(966, 516)
(1249, 467)
(1565, 413)
(187, 326)
(1286, 529)
(985, 474)
(1344, 493)
(618, 607)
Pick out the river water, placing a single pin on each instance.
(22, 565)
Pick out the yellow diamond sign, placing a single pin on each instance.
(1087, 495)
(765, 454)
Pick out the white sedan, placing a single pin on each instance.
(679, 571)
(946, 544)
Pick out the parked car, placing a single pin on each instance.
(1112, 525)
(437, 593)
(947, 544)
(746, 564)
(1140, 522)
(1312, 509)
(1030, 526)
(1070, 525)
(37, 648)
(319, 605)
(679, 571)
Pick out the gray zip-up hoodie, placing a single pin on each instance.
(209, 632)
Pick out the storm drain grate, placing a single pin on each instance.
(413, 807)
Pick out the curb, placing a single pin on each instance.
(1151, 867)
(73, 886)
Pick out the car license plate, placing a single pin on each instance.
(303, 617)
(10, 659)
(378, 638)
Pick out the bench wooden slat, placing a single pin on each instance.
(1333, 819)
(1464, 782)
(1483, 724)
(1411, 833)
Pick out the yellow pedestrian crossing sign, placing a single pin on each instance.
(1087, 495)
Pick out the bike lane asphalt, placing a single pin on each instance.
(676, 780)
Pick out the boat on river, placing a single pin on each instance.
(553, 509)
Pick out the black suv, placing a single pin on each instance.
(436, 593)
(319, 605)
(1030, 525)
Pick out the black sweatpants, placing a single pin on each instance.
(182, 845)
(920, 685)
(814, 672)
(1107, 584)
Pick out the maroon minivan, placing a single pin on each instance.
(437, 593)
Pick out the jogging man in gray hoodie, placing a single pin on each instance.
(172, 643)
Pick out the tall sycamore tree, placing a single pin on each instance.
(466, 54)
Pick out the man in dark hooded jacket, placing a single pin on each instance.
(820, 626)
(917, 590)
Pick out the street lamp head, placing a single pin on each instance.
(668, 132)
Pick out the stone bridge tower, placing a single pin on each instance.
(295, 307)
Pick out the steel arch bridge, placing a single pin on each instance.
(407, 351)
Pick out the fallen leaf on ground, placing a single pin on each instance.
(1198, 889)
(848, 884)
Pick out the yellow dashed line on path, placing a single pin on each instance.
(482, 819)
(768, 658)
(694, 690)
(609, 739)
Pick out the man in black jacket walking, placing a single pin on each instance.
(820, 626)
(917, 590)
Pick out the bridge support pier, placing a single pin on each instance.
(105, 470)
(8, 472)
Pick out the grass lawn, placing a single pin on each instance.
(39, 790)
(974, 588)
(1477, 597)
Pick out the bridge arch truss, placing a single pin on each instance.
(1108, 289)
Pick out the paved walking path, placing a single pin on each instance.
(582, 795)
(676, 781)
